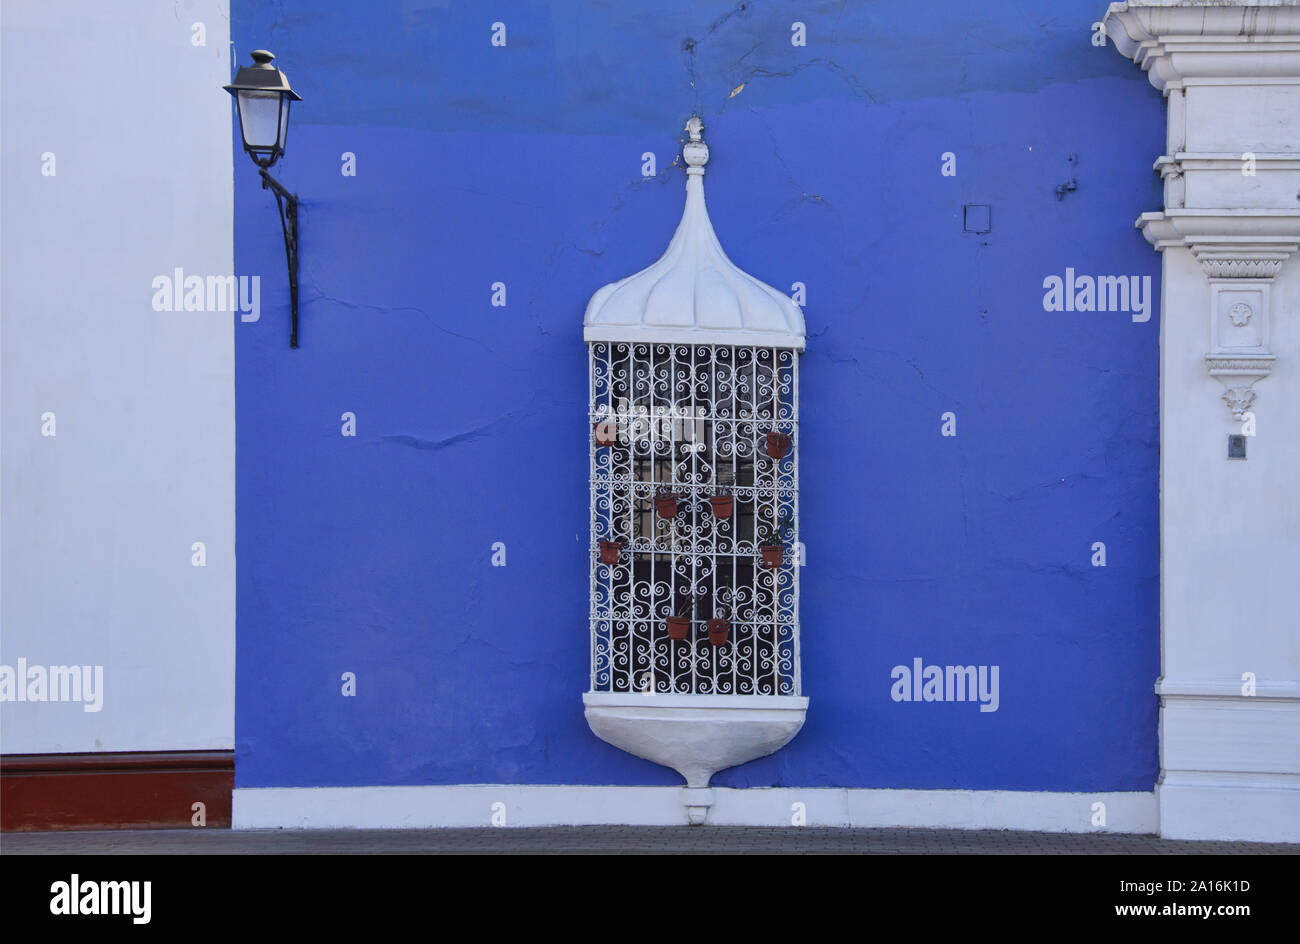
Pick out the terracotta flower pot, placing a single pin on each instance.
(679, 627)
(722, 505)
(773, 554)
(610, 552)
(718, 629)
(606, 433)
(778, 444)
(666, 506)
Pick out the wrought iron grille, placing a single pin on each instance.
(692, 422)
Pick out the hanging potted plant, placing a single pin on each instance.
(679, 626)
(610, 551)
(606, 432)
(722, 505)
(719, 627)
(666, 504)
(770, 545)
(778, 444)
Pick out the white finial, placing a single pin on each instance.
(695, 152)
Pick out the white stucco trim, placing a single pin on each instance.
(1265, 689)
(1264, 810)
(651, 334)
(529, 805)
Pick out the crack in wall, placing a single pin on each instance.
(318, 295)
(426, 443)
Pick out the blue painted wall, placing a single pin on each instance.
(477, 164)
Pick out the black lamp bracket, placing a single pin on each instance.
(288, 204)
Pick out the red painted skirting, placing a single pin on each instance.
(146, 790)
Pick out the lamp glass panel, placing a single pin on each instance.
(259, 119)
(284, 120)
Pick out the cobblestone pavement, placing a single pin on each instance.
(614, 839)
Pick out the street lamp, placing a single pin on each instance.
(262, 96)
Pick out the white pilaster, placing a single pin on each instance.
(1230, 320)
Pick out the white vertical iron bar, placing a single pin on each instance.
(592, 627)
(796, 668)
(780, 481)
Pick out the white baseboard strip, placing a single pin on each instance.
(537, 805)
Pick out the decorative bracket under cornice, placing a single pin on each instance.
(1241, 252)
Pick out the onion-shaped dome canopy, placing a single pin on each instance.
(694, 294)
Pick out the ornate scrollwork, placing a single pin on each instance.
(693, 421)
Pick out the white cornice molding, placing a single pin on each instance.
(1186, 42)
(1229, 688)
(1232, 244)
(1232, 176)
(1191, 160)
(1265, 236)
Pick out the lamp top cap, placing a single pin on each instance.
(261, 76)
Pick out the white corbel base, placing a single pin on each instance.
(696, 735)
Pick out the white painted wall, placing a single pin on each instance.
(98, 521)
